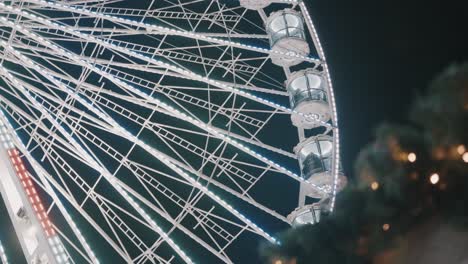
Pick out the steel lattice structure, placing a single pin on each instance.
(159, 131)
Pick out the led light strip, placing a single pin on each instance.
(195, 75)
(36, 203)
(336, 132)
(153, 152)
(172, 31)
(55, 242)
(101, 170)
(9, 143)
(158, 102)
(30, 190)
(111, 45)
(3, 257)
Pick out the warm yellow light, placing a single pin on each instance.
(374, 186)
(434, 178)
(278, 262)
(386, 227)
(411, 157)
(461, 149)
(465, 157)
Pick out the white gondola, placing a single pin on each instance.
(315, 159)
(255, 4)
(309, 214)
(308, 97)
(287, 36)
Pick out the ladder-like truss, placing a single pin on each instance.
(155, 131)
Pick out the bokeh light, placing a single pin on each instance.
(375, 186)
(411, 157)
(434, 178)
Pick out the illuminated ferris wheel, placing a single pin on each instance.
(162, 131)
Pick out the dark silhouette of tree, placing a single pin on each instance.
(410, 176)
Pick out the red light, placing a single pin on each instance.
(31, 192)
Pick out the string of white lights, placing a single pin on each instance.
(52, 238)
(168, 107)
(3, 256)
(48, 61)
(195, 76)
(96, 165)
(336, 132)
(169, 31)
(147, 147)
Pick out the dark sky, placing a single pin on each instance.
(381, 53)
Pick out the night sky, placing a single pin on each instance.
(381, 53)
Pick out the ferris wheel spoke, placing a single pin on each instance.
(121, 110)
(109, 213)
(90, 257)
(152, 126)
(176, 96)
(157, 153)
(219, 131)
(235, 66)
(198, 77)
(250, 141)
(46, 187)
(149, 180)
(72, 244)
(164, 191)
(220, 18)
(144, 119)
(117, 246)
(150, 205)
(46, 179)
(133, 78)
(96, 164)
(89, 119)
(87, 2)
(145, 146)
(164, 14)
(120, 224)
(100, 201)
(160, 29)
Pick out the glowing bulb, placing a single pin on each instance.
(278, 262)
(465, 157)
(374, 186)
(461, 149)
(386, 227)
(411, 157)
(434, 178)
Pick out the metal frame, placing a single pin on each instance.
(172, 81)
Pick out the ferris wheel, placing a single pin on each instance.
(163, 131)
